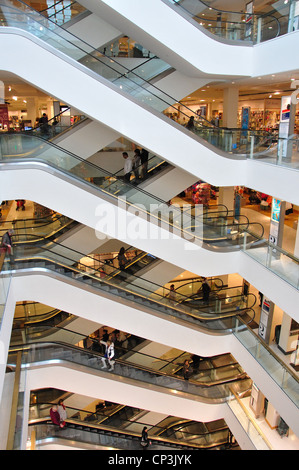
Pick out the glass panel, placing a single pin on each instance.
(279, 261)
(275, 368)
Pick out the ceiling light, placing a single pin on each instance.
(270, 96)
(277, 93)
(15, 98)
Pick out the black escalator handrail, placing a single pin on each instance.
(240, 225)
(119, 172)
(256, 15)
(32, 238)
(28, 321)
(198, 279)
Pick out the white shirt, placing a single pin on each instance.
(128, 165)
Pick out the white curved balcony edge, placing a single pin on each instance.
(86, 205)
(197, 52)
(99, 100)
(69, 296)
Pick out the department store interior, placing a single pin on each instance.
(240, 117)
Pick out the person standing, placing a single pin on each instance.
(44, 126)
(6, 245)
(122, 260)
(62, 412)
(206, 291)
(128, 167)
(187, 370)
(144, 437)
(108, 356)
(144, 163)
(171, 294)
(55, 417)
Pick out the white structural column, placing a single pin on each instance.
(227, 197)
(230, 107)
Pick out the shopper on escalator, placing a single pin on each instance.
(128, 166)
(6, 244)
(44, 126)
(206, 289)
(108, 356)
(190, 123)
(187, 369)
(144, 438)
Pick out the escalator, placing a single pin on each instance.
(215, 231)
(217, 316)
(231, 169)
(102, 437)
(140, 373)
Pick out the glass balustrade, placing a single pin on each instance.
(274, 258)
(252, 430)
(5, 280)
(277, 370)
(34, 229)
(189, 222)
